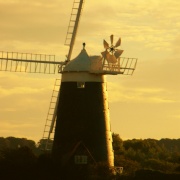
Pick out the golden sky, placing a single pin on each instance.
(145, 105)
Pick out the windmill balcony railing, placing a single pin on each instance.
(123, 65)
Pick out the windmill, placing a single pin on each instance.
(81, 113)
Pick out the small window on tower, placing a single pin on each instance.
(80, 84)
(80, 159)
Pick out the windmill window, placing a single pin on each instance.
(80, 159)
(80, 84)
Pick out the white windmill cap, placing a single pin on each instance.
(83, 62)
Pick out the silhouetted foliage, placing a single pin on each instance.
(14, 143)
(137, 154)
(21, 158)
(117, 144)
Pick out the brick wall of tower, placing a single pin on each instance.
(83, 115)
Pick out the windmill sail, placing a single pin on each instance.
(28, 62)
(118, 43)
(48, 134)
(73, 26)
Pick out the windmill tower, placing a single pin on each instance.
(81, 114)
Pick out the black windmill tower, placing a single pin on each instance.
(81, 114)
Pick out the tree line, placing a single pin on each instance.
(21, 158)
(149, 155)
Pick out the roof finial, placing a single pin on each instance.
(84, 44)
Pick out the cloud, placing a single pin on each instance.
(25, 94)
(8, 110)
(135, 21)
(154, 81)
(119, 93)
(19, 90)
(176, 46)
(33, 21)
(36, 26)
(22, 130)
(176, 116)
(149, 31)
(11, 126)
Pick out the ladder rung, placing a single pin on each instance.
(71, 22)
(54, 96)
(47, 125)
